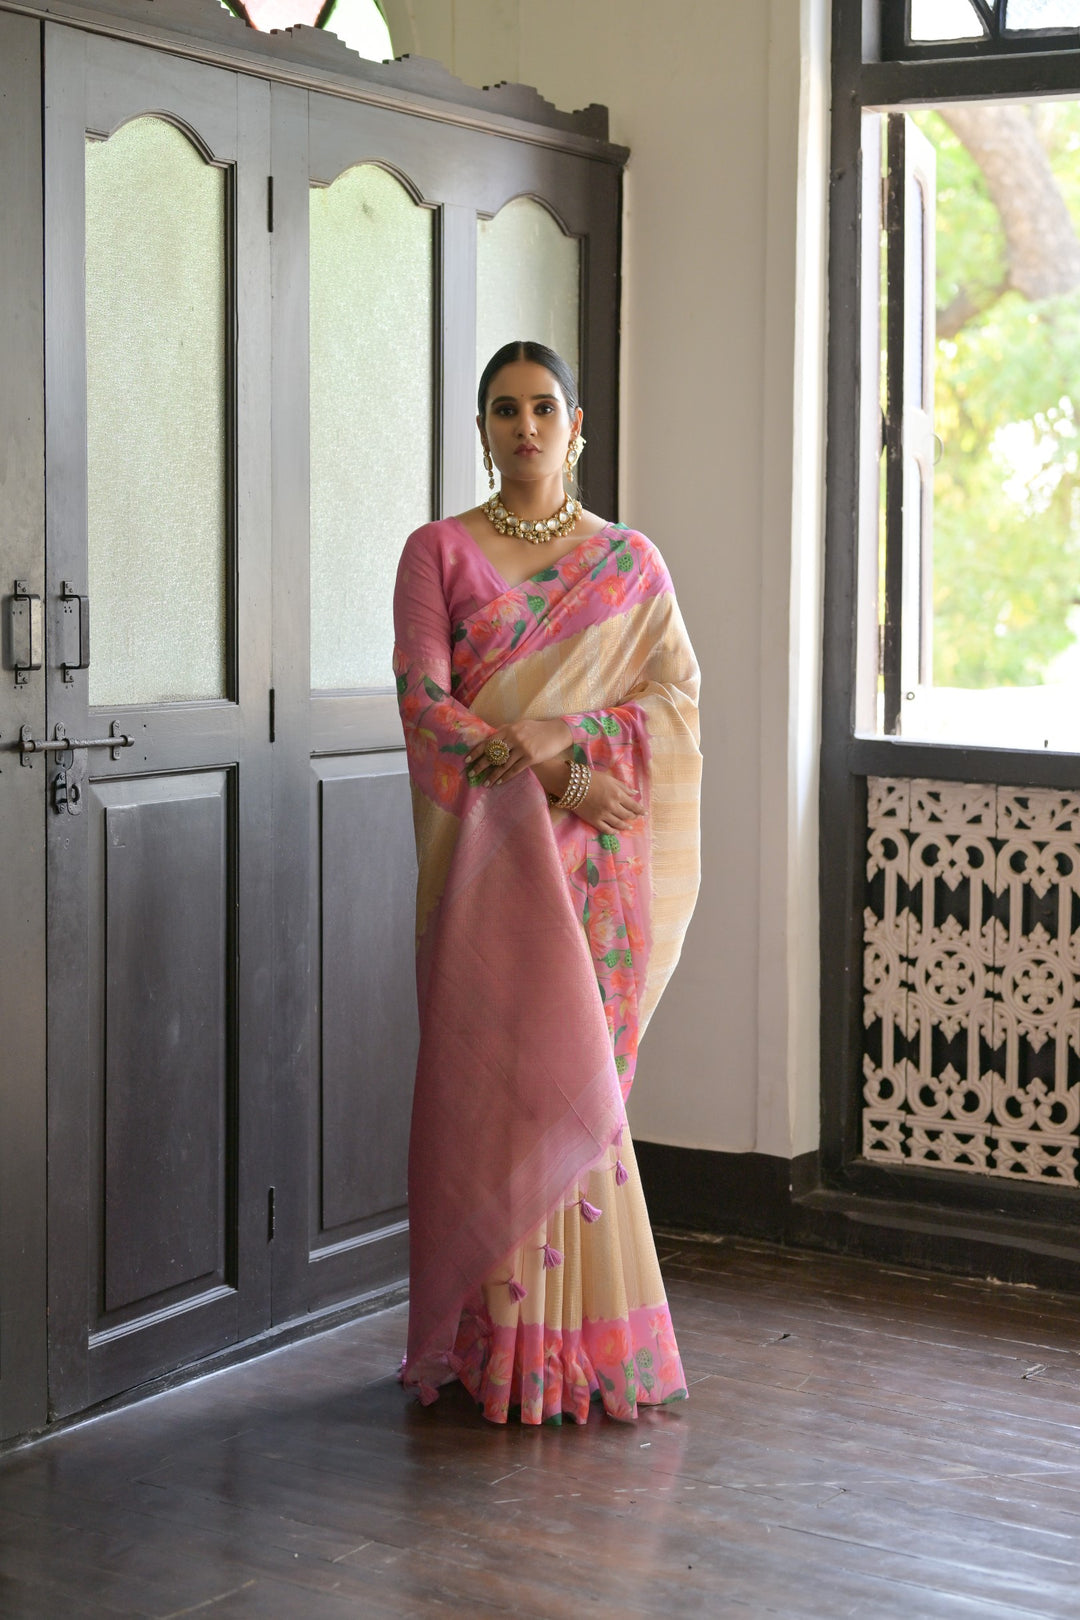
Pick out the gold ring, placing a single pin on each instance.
(497, 751)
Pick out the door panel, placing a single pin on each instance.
(372, 291)
(382, 222)
(22, 703)
(366, 1034)
(157, 296)
(353, 477)
(166, 1040)
(528, 283)
(157, 361)
(368, 1031)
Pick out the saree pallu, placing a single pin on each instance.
(542, 949)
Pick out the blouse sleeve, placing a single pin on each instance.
(438, 729)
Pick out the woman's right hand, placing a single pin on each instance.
(609, 806)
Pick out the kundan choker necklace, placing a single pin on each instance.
(537, 531)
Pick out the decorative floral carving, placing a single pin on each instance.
(971, 978)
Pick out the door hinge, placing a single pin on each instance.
(271, 1216)
(270, 202)
(273, 715)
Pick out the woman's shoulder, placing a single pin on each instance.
(649, 556)
(433, 536)
(432, 546)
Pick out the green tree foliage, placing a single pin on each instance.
(1007, 402)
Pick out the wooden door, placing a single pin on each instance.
(345, 1002)
(22, 703)
(387, 266)
(205, 806)
(159, 873)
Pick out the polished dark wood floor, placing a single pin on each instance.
(858, 1442)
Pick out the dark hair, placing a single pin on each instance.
(539, 354)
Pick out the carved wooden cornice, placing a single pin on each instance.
(317, 60)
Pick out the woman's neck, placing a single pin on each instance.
(534, 498)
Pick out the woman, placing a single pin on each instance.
(548, 696)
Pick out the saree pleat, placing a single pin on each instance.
(542, 948)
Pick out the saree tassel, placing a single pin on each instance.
(590, 1211)
(552, 1257)
(622, 1174)
(517, 1291)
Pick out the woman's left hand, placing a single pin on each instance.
(531, 742)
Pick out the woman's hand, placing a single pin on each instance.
(531, 742)
(609, 806)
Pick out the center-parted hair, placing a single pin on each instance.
(540, 355)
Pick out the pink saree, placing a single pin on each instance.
(542, 948)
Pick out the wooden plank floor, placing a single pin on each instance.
(858, 1442)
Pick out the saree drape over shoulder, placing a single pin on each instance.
(542, 949)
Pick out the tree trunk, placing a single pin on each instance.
(1043, 249)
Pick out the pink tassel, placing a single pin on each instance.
(517, 1292)
(590, 1211)
(552, 1257)
(622, 1174)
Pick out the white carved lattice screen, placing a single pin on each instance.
(971, 1051)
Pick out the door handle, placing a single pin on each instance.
(26, 612)
(60, 742)
(68, 593)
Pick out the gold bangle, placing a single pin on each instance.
(576, 790)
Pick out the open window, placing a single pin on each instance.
(970, 516)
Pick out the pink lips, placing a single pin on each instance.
(527, 450)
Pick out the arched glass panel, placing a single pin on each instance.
(1021, 14)
(372, 410)
(528, 280)
(156, 409)
(944, 19)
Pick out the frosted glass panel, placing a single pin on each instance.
(156, 416)
(528, 277)
(1042, 14)
(371, 415)
(944, 19)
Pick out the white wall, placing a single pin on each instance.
(723, 107)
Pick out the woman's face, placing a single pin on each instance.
(527, 426)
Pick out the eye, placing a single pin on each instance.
(504, 410)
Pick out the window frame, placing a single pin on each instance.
(898, 46)
(864, 79)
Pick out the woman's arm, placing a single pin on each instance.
(439, 731)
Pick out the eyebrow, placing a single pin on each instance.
(511, 399)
